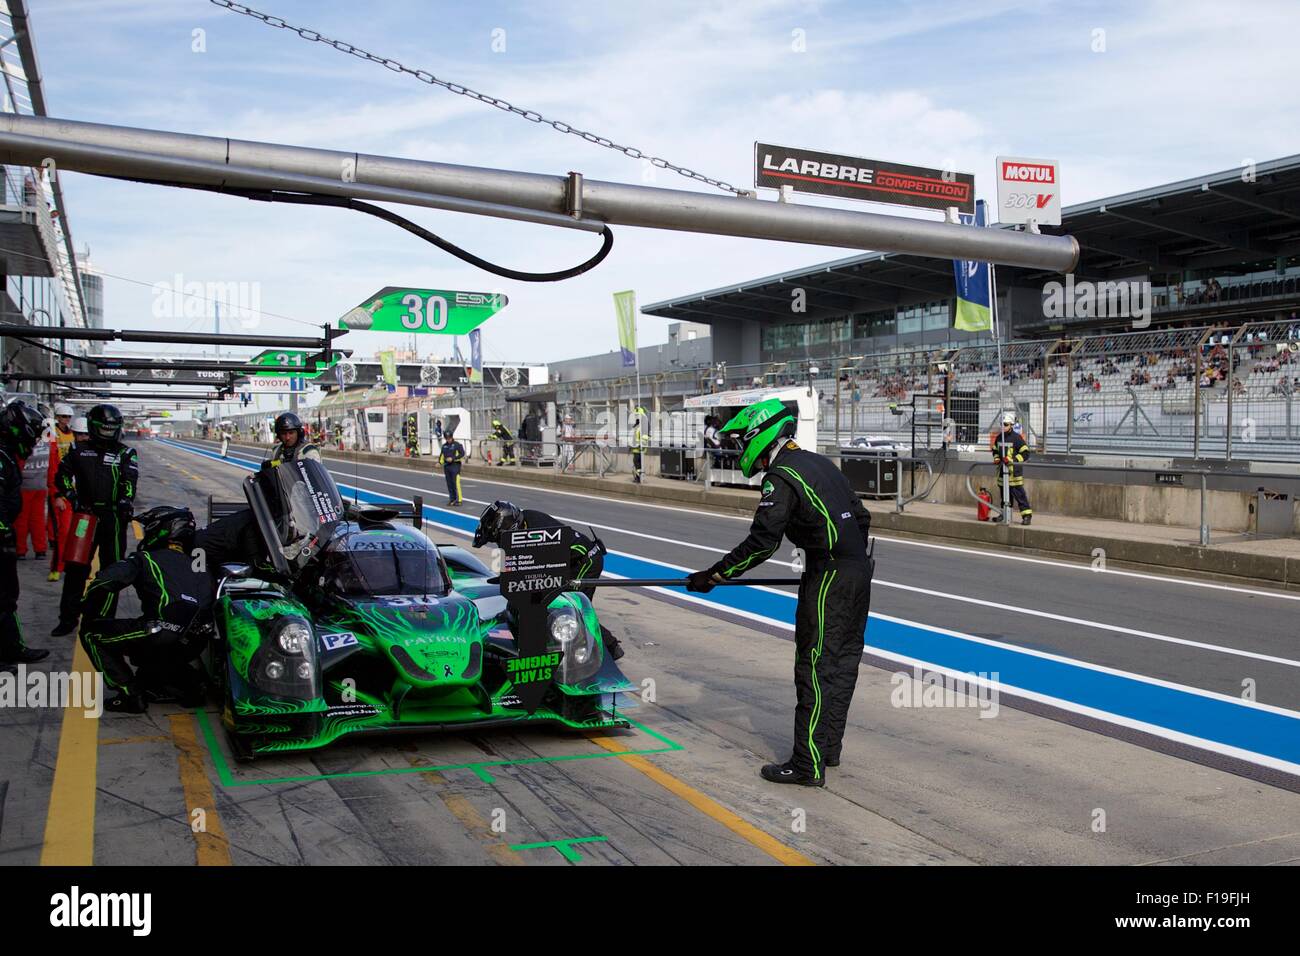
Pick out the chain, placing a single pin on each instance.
(427, 77)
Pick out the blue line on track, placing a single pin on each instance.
(1225, 722)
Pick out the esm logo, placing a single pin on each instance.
(540, 536)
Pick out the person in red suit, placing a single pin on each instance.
(60, 514)
(36, 479)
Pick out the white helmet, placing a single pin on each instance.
(80, 426)
(1008, 418)
(61, 409)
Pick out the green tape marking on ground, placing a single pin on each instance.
(228, 779)
(565, 847)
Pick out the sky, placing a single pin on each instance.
(1126, 95)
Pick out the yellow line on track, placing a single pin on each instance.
(211, 846)
(472, 820)
(114, 741)
(710, 807)
(70, 820)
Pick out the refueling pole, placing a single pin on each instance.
(572, 201)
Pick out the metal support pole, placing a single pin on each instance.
(1046, 428)
(1069, 402)
(131, 153)
(838, 370)
(1205, 525)
(1227, 435)
(1196, 403)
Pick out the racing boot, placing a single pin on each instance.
(125, 703)
(788, 773)
(63, 629)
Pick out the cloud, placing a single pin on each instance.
(1180, 89)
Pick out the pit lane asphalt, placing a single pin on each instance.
(938, 587)
(918, 785)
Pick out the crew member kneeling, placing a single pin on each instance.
(171, 595)
(808, 500)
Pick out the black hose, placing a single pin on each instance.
(346, 202)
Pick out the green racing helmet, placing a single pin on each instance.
(759, 428)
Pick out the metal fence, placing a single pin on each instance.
(1208, 392)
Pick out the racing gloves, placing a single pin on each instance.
(702, 581)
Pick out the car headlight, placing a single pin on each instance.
(294, 638)
(564, 626)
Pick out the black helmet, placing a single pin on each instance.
(164, 525)
(287, 422)
(498, 517)
(20, 427)
(105, 423)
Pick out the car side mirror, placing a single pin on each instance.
(235, 570)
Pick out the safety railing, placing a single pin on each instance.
(1201, 475)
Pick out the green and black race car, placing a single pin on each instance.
(361, 625)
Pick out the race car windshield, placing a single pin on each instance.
(307, 498)
(385, 569)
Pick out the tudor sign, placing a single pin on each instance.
(1029, 189)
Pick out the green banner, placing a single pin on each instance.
(431, 311)
(388, 363)
(286, 357)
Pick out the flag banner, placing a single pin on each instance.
(625, 307)
(476, 357)
(388, 362)
(973, 308)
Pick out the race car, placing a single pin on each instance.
(352, 622)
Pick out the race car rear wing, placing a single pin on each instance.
(220, 509)
(414, 509)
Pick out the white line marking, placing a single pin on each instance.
(1101, 715)
(1030, 612)
(1081, 565)
(1069, 565)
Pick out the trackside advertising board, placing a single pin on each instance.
(1029, 189)
(872, 180)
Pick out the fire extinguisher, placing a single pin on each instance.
(81, 538)
(982, 509)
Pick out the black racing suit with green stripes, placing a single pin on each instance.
(98, 479)
(588, 560)
(808, 500)
(171, 595)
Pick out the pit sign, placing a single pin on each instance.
(426, 311)
(1029, 189)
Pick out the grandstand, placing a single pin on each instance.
(1210, 370)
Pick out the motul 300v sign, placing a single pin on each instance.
(1029, 189)
(849, 177)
